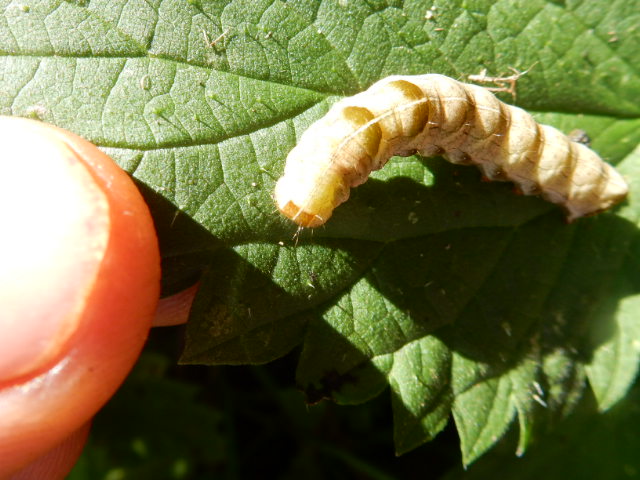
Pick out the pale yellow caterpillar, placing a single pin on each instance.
(436, 115)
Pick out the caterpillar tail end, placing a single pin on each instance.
(616, 192)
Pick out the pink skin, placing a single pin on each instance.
(79, 283)
(174, 310)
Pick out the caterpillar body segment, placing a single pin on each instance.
(436, 115)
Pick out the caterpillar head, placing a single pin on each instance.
(309, 204)
(333, 155)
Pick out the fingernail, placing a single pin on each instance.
(54, 234)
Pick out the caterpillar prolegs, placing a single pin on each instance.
(436, 115)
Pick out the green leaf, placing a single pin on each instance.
(614, 363)
(455, 294)
(586, 445)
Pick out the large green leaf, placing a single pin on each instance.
(584, 446)
(456, 295)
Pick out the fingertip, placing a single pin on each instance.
(105, 295)
(59, 461)
(46, 272)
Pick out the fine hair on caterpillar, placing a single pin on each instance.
(436, 115)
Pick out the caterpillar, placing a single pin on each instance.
(436, 115)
